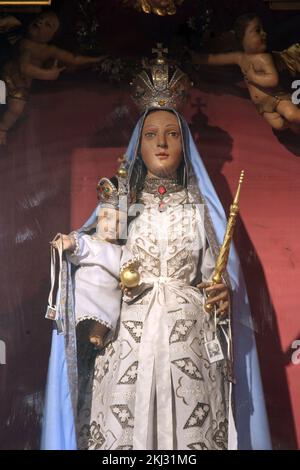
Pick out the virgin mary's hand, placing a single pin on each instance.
(126, 290)
(217, 294)
(130, 293)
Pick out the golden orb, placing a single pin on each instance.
(130, 277)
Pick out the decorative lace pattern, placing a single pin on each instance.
(163, 241)
(84, 317)
(76, 251)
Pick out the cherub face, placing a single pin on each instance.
(110, 223)
(44, 27)
(255, 38)
(161, 145)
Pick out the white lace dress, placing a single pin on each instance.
(154, 387)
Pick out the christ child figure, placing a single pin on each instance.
(99, 258)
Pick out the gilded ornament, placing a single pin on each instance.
(222, 259)
(157, 7)
(161, 84)
(129, 274)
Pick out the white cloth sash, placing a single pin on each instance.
(154, 365)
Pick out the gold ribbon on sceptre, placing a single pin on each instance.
(222, 259)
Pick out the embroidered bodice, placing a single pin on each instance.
(169, 244)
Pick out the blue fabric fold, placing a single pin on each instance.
(58, 430)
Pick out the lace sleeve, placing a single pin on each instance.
(80, 249)
(208, 265)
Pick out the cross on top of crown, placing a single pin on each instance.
(159, 50)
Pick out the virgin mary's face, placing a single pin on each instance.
(161, 145)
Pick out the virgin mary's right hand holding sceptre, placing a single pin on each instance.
(216, 291)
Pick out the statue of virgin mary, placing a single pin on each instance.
(172, 376)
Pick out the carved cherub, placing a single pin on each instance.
(260, 74)
(36, 59)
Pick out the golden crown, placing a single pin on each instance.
(161, 84)
(111, 194)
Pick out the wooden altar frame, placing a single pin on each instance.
(8, 3)
(283, 4)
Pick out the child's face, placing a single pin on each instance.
(255, 38)
(44, 27)
(110, 223)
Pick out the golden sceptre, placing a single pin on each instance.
(224, 250)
